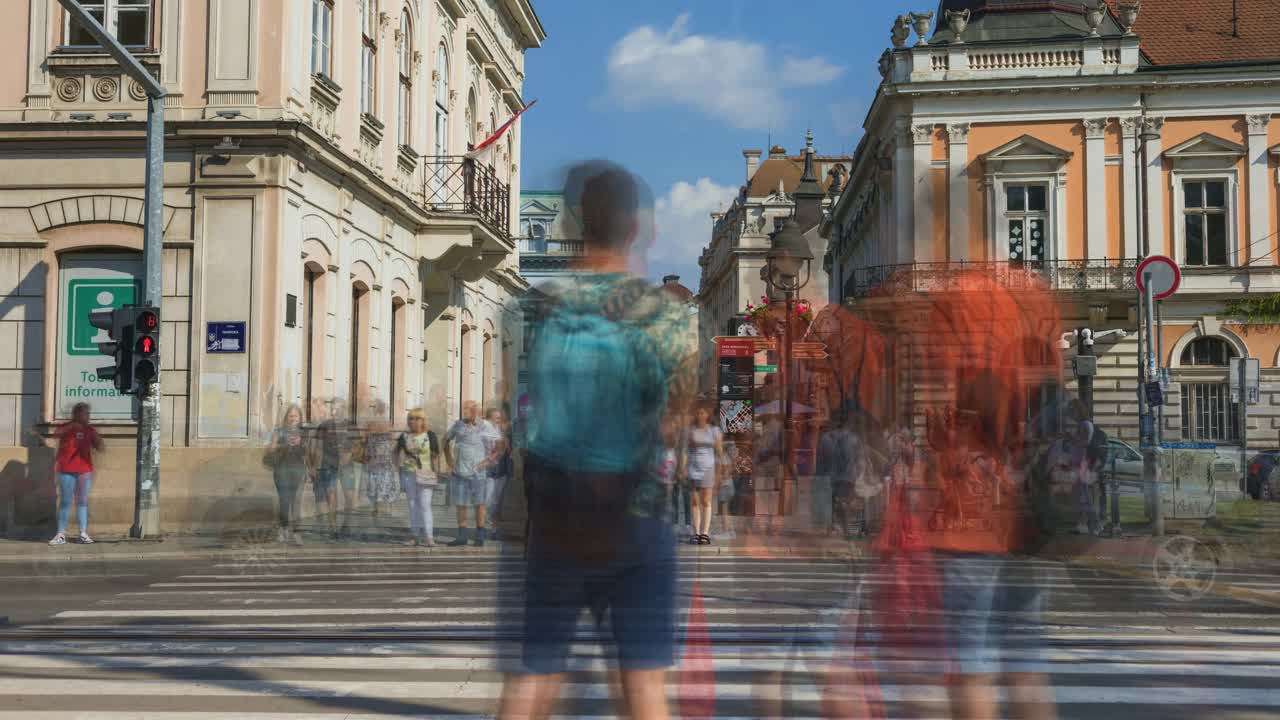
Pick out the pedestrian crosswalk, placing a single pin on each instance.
(392, 633)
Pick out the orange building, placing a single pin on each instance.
(1064, 143)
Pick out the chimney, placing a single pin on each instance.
(670, 279)
(753, 163)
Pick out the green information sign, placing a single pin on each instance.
(766, 368)
(88, 282)
(86, 296)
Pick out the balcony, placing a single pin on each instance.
(1113, 276)
(458, 184)
(543, 246)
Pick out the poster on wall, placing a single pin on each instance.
(88, 282)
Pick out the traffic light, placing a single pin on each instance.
(145, 341)
(116, 324)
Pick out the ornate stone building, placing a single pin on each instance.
(731, 264)
(315, 192)
(1009, 139)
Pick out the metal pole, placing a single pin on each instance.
(1084, 348)
(146, 513)
(1151, 455)
(1243, 364)
(787, 460)
(146, 509)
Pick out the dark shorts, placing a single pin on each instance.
(327, 480)
(992, 602)
(633, 596)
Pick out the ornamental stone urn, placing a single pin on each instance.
(921, 22)
(901, 31)
(958, 20)
(1129, 15)
(1094, 16)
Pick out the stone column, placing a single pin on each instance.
(903, 189)
(1154, 187)
(1259, 204)
(1129, 145)
(1095, 188)
(958, 193)
(922, 191)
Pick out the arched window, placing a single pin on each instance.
(442, 100)
(404, 119)
(1208, 351)
(1209, 413)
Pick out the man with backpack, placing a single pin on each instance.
(610, 354)
(1090, 448)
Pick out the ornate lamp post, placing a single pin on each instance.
(787, 270)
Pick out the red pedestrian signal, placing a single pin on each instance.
(148, 321)
(146, 346)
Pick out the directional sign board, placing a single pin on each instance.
(809, 351)
(735, 347)
(1165, 276)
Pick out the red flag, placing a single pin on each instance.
(697, 692)
(477, 150)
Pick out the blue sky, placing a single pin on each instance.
(675, 91)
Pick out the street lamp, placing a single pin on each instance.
(787, 268)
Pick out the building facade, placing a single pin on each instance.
(1011, 140)
(315, 191)
(735, 258)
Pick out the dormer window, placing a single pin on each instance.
(128, 20)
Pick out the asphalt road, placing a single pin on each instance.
(384, 631)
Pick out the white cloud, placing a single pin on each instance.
(683, 227)
(729, 79)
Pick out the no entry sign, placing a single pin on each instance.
(1165, 276)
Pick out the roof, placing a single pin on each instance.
(1012, 20)
(788, 169)
(1196, 32)
(671, 284)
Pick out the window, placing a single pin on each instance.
(404, 119)
(128, 20)
(1208, 414)
(1208, 351)
(442, 100)
(369, 59)
(322, 37)
(1205, 221)
(1025, 210)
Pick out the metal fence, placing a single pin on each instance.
(455, 183)
(1065, 275)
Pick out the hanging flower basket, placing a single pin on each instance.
(767, 315)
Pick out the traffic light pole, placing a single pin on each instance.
(146, 513)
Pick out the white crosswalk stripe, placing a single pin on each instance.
(372, 636)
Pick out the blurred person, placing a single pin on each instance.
(73, 467)
(418, 450)
(287, 456)
(468, 448)
(611, 353)
(501, 467)
(381, 472)
(701, 461)
(334, 467)
(979, 523)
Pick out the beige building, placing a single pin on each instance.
(316, 193)
(734, 259)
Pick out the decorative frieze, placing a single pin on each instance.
(922, 134)
(1258, 123)
(1129, 126)
(958, 133)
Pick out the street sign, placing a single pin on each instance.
(1155, 396)
(809, 351)
(226, 337)
(766, 368)
(735, 347)
(1250, 368)
(1165, 276)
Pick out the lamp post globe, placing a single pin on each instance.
(789, 257)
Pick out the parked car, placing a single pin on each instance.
(1124, 460)
(1260, 483)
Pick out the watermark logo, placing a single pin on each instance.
(1185, 568)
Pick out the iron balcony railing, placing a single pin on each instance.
(1104, 275)
(455, 183)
